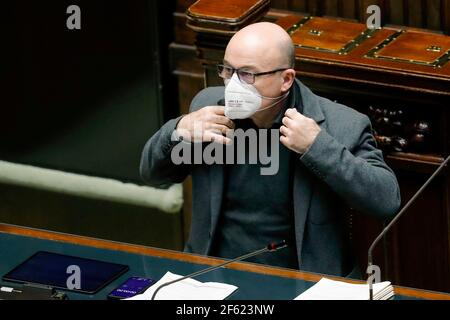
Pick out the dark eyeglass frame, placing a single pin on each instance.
(221, 68)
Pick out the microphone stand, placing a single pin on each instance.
(269, 248)
(441, 167)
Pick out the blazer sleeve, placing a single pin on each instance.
(156, 167)
(359, 176)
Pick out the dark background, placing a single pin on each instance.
(87, 100)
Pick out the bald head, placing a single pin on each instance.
(263, 43)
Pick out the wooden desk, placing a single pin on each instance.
(18, 243)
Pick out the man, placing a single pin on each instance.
(327, 157)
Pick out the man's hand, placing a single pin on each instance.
(206, 125)
(298, 132)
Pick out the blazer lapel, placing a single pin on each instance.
(302, 200)
(311, 105)
(303, 178)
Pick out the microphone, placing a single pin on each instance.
(272, 247)
(399, 214)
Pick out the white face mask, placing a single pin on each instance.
(243, 100)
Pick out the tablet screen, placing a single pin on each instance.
(66, 272)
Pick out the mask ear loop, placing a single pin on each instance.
(283, 97)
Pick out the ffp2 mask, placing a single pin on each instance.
(243, 100)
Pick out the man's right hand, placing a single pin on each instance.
(206, 125)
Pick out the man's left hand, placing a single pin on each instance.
(298, 132)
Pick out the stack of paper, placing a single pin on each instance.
(327, 289)
(187, 289)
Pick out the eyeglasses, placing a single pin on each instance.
(244, 76)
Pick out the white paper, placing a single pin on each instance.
(327, 289)
(188, 289)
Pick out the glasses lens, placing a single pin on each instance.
(220, 70)
(246, 77)
(224, 72)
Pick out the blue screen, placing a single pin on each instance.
(132, 287)
(55, 270)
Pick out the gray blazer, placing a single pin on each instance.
(343, 168)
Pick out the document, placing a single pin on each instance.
(327, 289)
(188, 289)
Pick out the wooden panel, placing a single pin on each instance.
(315, 8)
(446, 197)
(445, 10)
(331, 8)
(415, 46)
(347, 9)
(226, 17)
(296, 5)
(189, 72)
(357, 59)
(431, 14)
(427, 223)
(183, 35)
(396, 13)
(184, 61)
(408, 254)
(230, 11)
(321, 34)
(415, 13)
(183, 5)
(282, 4)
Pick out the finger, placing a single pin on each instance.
(224, 121)
(291, 113)
(287, 122)
(219, 128)
(284, 131)
(214, 137)
(219, 110)
(284, 140)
